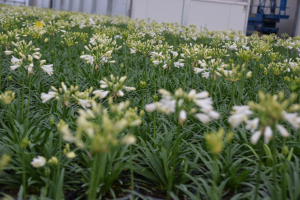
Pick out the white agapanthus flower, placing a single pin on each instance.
(48, 69)
(14, 67)
(85, 103)
(88, 58)
(29, 68)
(101, 93)
(45, 97)
(178, 64)
(40, 161)
(198, 70)
(241, 113)
(15, 60)
(168, 104)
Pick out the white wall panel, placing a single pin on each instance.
(139, 9)
(238, 19)
(119, 7)
(65, 4)
(210, 15)
(39, 3)
(101, 7)
(75, 5)
(87, 6)
(158, 10)
(56, 4)
(218, 15)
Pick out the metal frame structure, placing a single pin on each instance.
(266, 23)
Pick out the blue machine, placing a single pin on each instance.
(266, 23)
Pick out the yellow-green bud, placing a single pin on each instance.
(143, 84)
(9, 78)
(47, 171)
(229, 137)
(53, 160)
(4, 161)
(25, 142)
(51, 120)
(285, 150)
(155, 97)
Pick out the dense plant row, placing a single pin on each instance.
(98, 107)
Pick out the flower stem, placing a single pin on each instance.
(185, 74)
(215, 173)
(131, 173)
(232, 94)
(273, 85)
(69, 53)
(28, 103)
(22, 107)
(7, 69)
(1, 68)
(274, 163)
(93, 187)
(143, 103)
(23, 174)
(259, 170)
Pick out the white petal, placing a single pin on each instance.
(182, 115)
(255, 137)
(150, 107)
(282, 130)
(252, 124)
(203, 118)
(268, 134)
(213, 114)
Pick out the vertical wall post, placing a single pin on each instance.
(247, 16)
(185, 12)
(109, 7)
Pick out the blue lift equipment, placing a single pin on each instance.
(266, 23)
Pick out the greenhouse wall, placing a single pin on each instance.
(213, 14)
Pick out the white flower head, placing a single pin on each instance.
(45, 97)
(255, 137)
(14, 67)
(120, 93)
(198, 70)
(102, 94)
(84, 103)
(282, 130)
(182, 117)
(236, 120)
(150, 107)
(48, 69)
(268, 134)
(203, 118)
(40, 161)
(252, 124)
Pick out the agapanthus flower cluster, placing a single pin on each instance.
(100, 50)
(27, 53)
(269, 114)
(234, 73)
(69, 96)
(101, 126)
(114, 87)
(184, 103)
(7, 97)
(210, 69)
